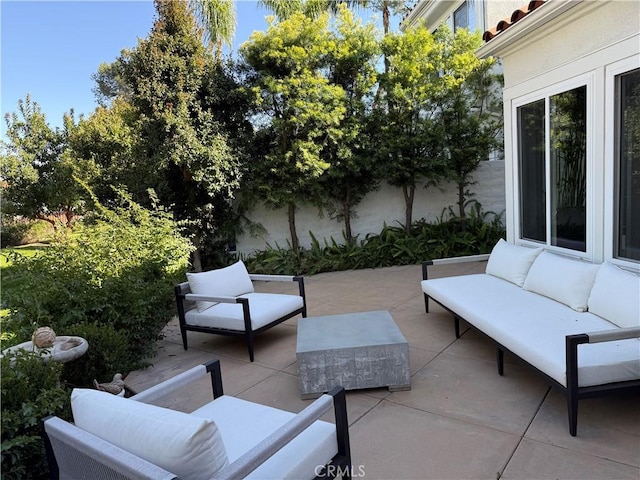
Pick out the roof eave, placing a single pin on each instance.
(540, 17)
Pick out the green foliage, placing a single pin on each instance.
(31, 390)
(37, 178)
(117, 270)
(107, 346)
(449, 236)
(303, 110)
(21, 232)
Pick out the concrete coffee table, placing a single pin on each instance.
(355, 350)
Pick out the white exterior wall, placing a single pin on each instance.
(383, 205)
(562, 45)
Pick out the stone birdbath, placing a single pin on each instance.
(59, 348)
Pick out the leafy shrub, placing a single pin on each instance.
(449, 236)
(117, 269)
(31, 390)
(21, 232)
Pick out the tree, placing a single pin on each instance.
(184, 149)
(353, 172)
(37, 176)
(303, 110)
(217, 19)
(424, 69)
(471, 122)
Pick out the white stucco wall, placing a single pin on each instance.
(559, 46)
(384, 205)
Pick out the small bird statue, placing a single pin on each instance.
(115, 386)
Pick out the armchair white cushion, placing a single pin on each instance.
(264, 308)
(191, 447)
(231, 281)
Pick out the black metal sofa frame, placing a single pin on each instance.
(572, 392)
(182, 290)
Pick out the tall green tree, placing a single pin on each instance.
(301, 111)
(190, 163)
(352, 66)
(37, 175)
(424, 69)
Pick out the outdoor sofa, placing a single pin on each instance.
(577, 323)
(129, 438)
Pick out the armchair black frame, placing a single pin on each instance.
(183, 294)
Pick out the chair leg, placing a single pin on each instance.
(572, 408)
(249, 339)
(183, 332)
(500, 362)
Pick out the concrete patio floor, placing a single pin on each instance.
(460, 420)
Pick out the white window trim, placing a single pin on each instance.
(610, 170)
(589, 80)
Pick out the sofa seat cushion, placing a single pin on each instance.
(244, 424)
(188, 446)
(534, 327)
(263, 307)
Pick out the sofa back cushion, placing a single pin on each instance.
(188, 446)
(231, 281)
(615, 296)
(511, 262)
(563, 279)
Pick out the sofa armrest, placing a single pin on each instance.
(192, 297)
(255, 457)
(614, 334)
(177, 382)
(446, 261)
(75, 453)
(271, 278)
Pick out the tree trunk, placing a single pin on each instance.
(461, 200)
(409, 192)
(295, 243)
(346, 210)
(197, 254)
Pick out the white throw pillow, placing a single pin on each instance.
(511, 262)
(188, 446)
(615, 296)
(563, 279)
(231, 281)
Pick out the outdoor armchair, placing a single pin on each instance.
(224, 302)
(129, 438)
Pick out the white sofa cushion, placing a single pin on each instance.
(534, 327)
(511, 262)
(186, 445)
(563, 279)
(231, 281)
(264, 308)
(245, 424)
(616, 296)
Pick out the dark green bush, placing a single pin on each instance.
(31, 390)
(107, 347)
(449, 236)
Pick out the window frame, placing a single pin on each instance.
(545, 94)
(612, 165)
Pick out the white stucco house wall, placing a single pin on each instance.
(572, 126)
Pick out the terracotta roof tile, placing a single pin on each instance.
(516, 16)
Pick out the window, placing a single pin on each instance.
(552, 158)
(627, 134)
(464, 17)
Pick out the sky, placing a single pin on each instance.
(50, 49)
